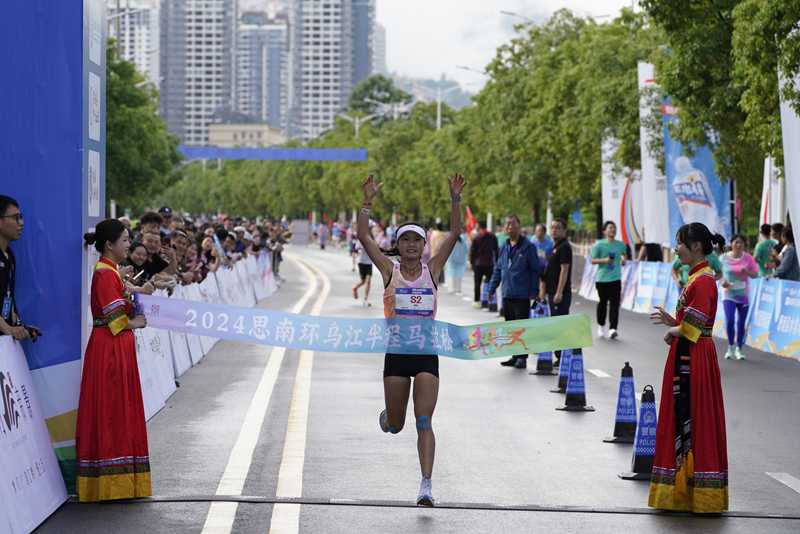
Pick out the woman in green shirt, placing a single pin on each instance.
(609, 254)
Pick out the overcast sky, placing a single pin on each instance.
(426, 38)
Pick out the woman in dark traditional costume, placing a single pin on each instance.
(690, 468)
(111, 437)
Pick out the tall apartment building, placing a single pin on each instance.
(262, 66)
(363, 39)
(379, 65)
(133, 24)
(197, 55)
(331, 50)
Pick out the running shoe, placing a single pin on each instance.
(521, 363)
(729, 353)
(612, 334)
(737, 352)
(511, 362)
(476, 305)
(600, 332)
(425, 497)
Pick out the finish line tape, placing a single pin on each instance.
(344, 334)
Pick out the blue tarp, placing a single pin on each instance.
(273, 154)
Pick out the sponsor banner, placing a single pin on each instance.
(695, 193)
(340, 334)
(790, 128)
(773, 202)
(719, 318)
(663, 279)
(31, 486)
(630, 283)
(587, 280)
(784, 331)
(654, 185)
(621, 194)
(758, 335)
(646, 286)
(673, 294)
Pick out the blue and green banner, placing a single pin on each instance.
(344, 334)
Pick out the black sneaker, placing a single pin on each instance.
(511, 362)
(521, 363)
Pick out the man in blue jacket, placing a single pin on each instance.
(517, 267)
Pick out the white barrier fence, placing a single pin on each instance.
(164, 356)
(773, 319)
(31, 485)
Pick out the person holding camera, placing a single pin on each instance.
(111, 436)
(11, 223)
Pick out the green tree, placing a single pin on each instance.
(378, 88)
(765, 41)
(696, 70)
(140, 154)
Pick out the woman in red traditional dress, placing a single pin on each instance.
(111, 438)
(690, 468)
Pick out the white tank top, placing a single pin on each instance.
(414, 299)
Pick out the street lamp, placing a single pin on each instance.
(439, 96)
(396, 107)
(357, 121)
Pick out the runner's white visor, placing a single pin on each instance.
(412, 228)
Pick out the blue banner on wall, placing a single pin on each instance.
(663, 279)
(784, 332)
(694, 192)
(630, 280)
(646, 287)
(673, 293)
(758, 335)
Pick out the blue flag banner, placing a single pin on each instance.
(784, 332)
(758, 334)
(694, 192)
(341, 334)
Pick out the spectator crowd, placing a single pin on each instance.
(167, 249)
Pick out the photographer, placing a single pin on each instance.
(11, 223)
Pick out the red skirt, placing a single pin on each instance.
(111, 436)
(690, 467)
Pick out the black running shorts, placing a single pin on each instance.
(409, 365)
(365, 270)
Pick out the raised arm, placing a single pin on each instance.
(383, 263)
(436, 263)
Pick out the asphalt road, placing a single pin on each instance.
(500, 442)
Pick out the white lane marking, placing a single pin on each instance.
(286, 517)
(787, 480)
(221, 515)
(599, 373)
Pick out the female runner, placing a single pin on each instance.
(400, 280)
